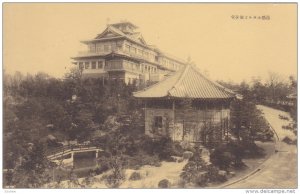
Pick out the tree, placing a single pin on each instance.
(221, 157)
(277, 89)
(247, 123)
(195, 170)
(32, 172)
(74, 74)
(117, 175)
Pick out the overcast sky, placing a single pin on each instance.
(44, 37)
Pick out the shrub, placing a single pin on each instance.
(101, 169)
(114, 180)
(117, 174)
(295, 132)
(163, 147)
(177, 149)
(181, 183)
(104, 165)
(213, 175)
(232, 154)
(287, 127)
(135, 176)
(89, 180)
(194, 171)
(221, 158)
(295, 142)
(165, 183)
(180, 160)
(251, 150)
(187, 154)
(171, 159)
(201, 180)
(289, 141)
(146, 144)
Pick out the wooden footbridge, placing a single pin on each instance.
(62, 152)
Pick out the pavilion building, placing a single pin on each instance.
(187, 106)
(120, 52)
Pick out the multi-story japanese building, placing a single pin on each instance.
(120, 52)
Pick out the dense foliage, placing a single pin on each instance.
(43, 110)
(40, 111)
(198, 173)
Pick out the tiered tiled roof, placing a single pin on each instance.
(186, 83)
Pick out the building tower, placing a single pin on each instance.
(121, 53)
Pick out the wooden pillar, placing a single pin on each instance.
(173, 130)
(221, 119)
(97, 153)
(145, 115)
(205, 123)
(72, 157)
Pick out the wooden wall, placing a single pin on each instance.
(192, 125)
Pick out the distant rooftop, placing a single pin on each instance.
(124, 23)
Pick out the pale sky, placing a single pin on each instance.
(44, 36)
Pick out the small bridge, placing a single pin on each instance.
(62, 152)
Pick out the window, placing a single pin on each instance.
(93, 64)
(112, 64)
(127, 48)
(158, 121)
(106, 48)
(133, 50)
(92, 47)
(113, 46)
(80, 65)
(140, 52)
(87, 65)
(119, 45)
(146, 54)
(151, 57)
(100, 64)
(99, 47)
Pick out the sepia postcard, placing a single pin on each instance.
(150, 96)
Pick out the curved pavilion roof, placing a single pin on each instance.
(186, 83)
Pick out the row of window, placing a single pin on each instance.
(91, 65)
(140, 67)
(112, 46)
(114, 64)
(165, 62)
(105, 47)
(117, 64)
(140, 52)
(170, 64)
